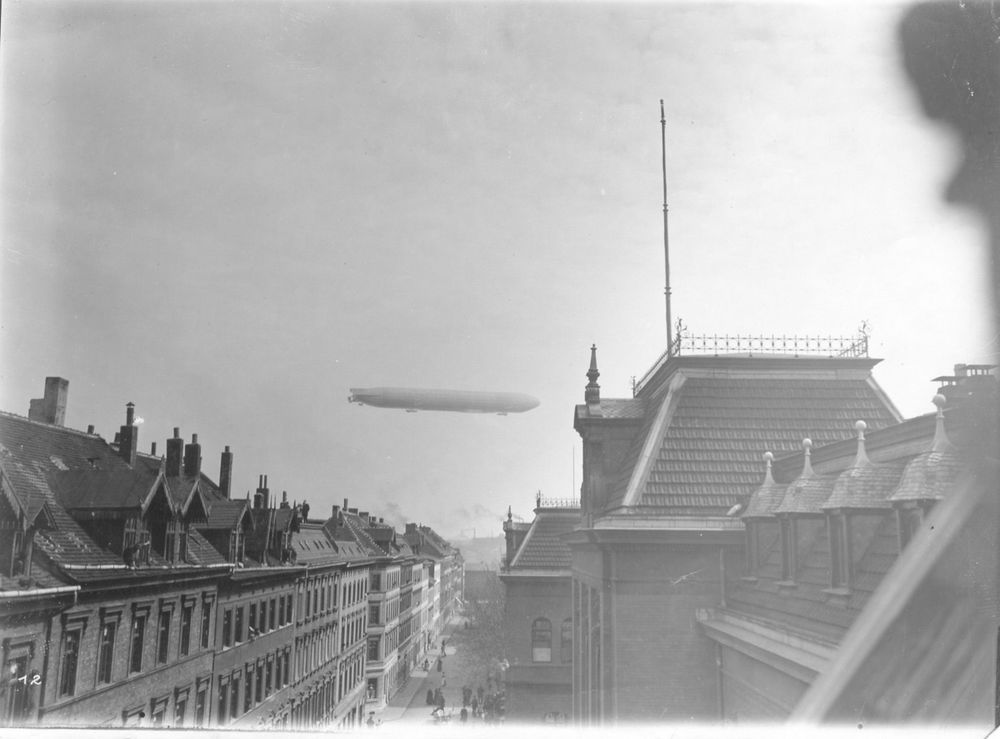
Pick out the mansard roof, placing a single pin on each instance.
(697, 450)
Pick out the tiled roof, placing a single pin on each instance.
(765, 500)
(714, 429)
(623, 408)
(31, 451)
(312, 546)
(224, 514)
(865, 486)
(807, 494)
(542, 548)
(928, 476)
(117, 487)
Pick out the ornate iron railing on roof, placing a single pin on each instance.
(716, 344)
(543, 502)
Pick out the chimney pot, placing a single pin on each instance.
(177, 432)
(152, 449)
(90, 429)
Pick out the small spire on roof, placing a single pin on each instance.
(941, 441)
(862, 458)
(592, 393)
(768, 459)
(807, 470)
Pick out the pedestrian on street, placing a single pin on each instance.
(464, 715)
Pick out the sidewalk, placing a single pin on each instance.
(409, 704)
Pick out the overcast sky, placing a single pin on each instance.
(230, 214)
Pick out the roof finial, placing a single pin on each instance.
(768, 459)
(941, 441)
(592, 393)
(862, 458)
(807, 469)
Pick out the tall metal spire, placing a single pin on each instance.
(666, 237)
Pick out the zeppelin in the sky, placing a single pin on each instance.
(462, 401)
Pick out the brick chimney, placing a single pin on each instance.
(411, 528)
(52, 407)
(175, 453)
(284, 499)
(226, 473)
(192, 457)
(128, 443)
(260, 497)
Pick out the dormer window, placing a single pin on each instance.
(170, 540)
(788, 549)
(910, 518)
(840, 560)
(135, 542)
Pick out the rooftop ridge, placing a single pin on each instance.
(56, 426)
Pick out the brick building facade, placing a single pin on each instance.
(135, 591)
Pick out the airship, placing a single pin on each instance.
(458, 401)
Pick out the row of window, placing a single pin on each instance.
(352, 629)
(384, 644)
(314, 650)
(352, 671)
(166, 535)
(245, 688)
(383, 612)
(262, 617)
(385, 581)
(541, 640)
(780, 548)
(158, 708)
(140, 629)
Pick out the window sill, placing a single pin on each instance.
(786, 585)
(749, 579)
(837, 591)
(837, 596)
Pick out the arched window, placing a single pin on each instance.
(541, 640)
(567, 640)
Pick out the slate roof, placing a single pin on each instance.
(807, 494)
(31, 452)
(618, 408)
(765, 500)
(921, 653)
(713, 426)
(866, 486)
(542, 547)
(224, 514)
(313, 546)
